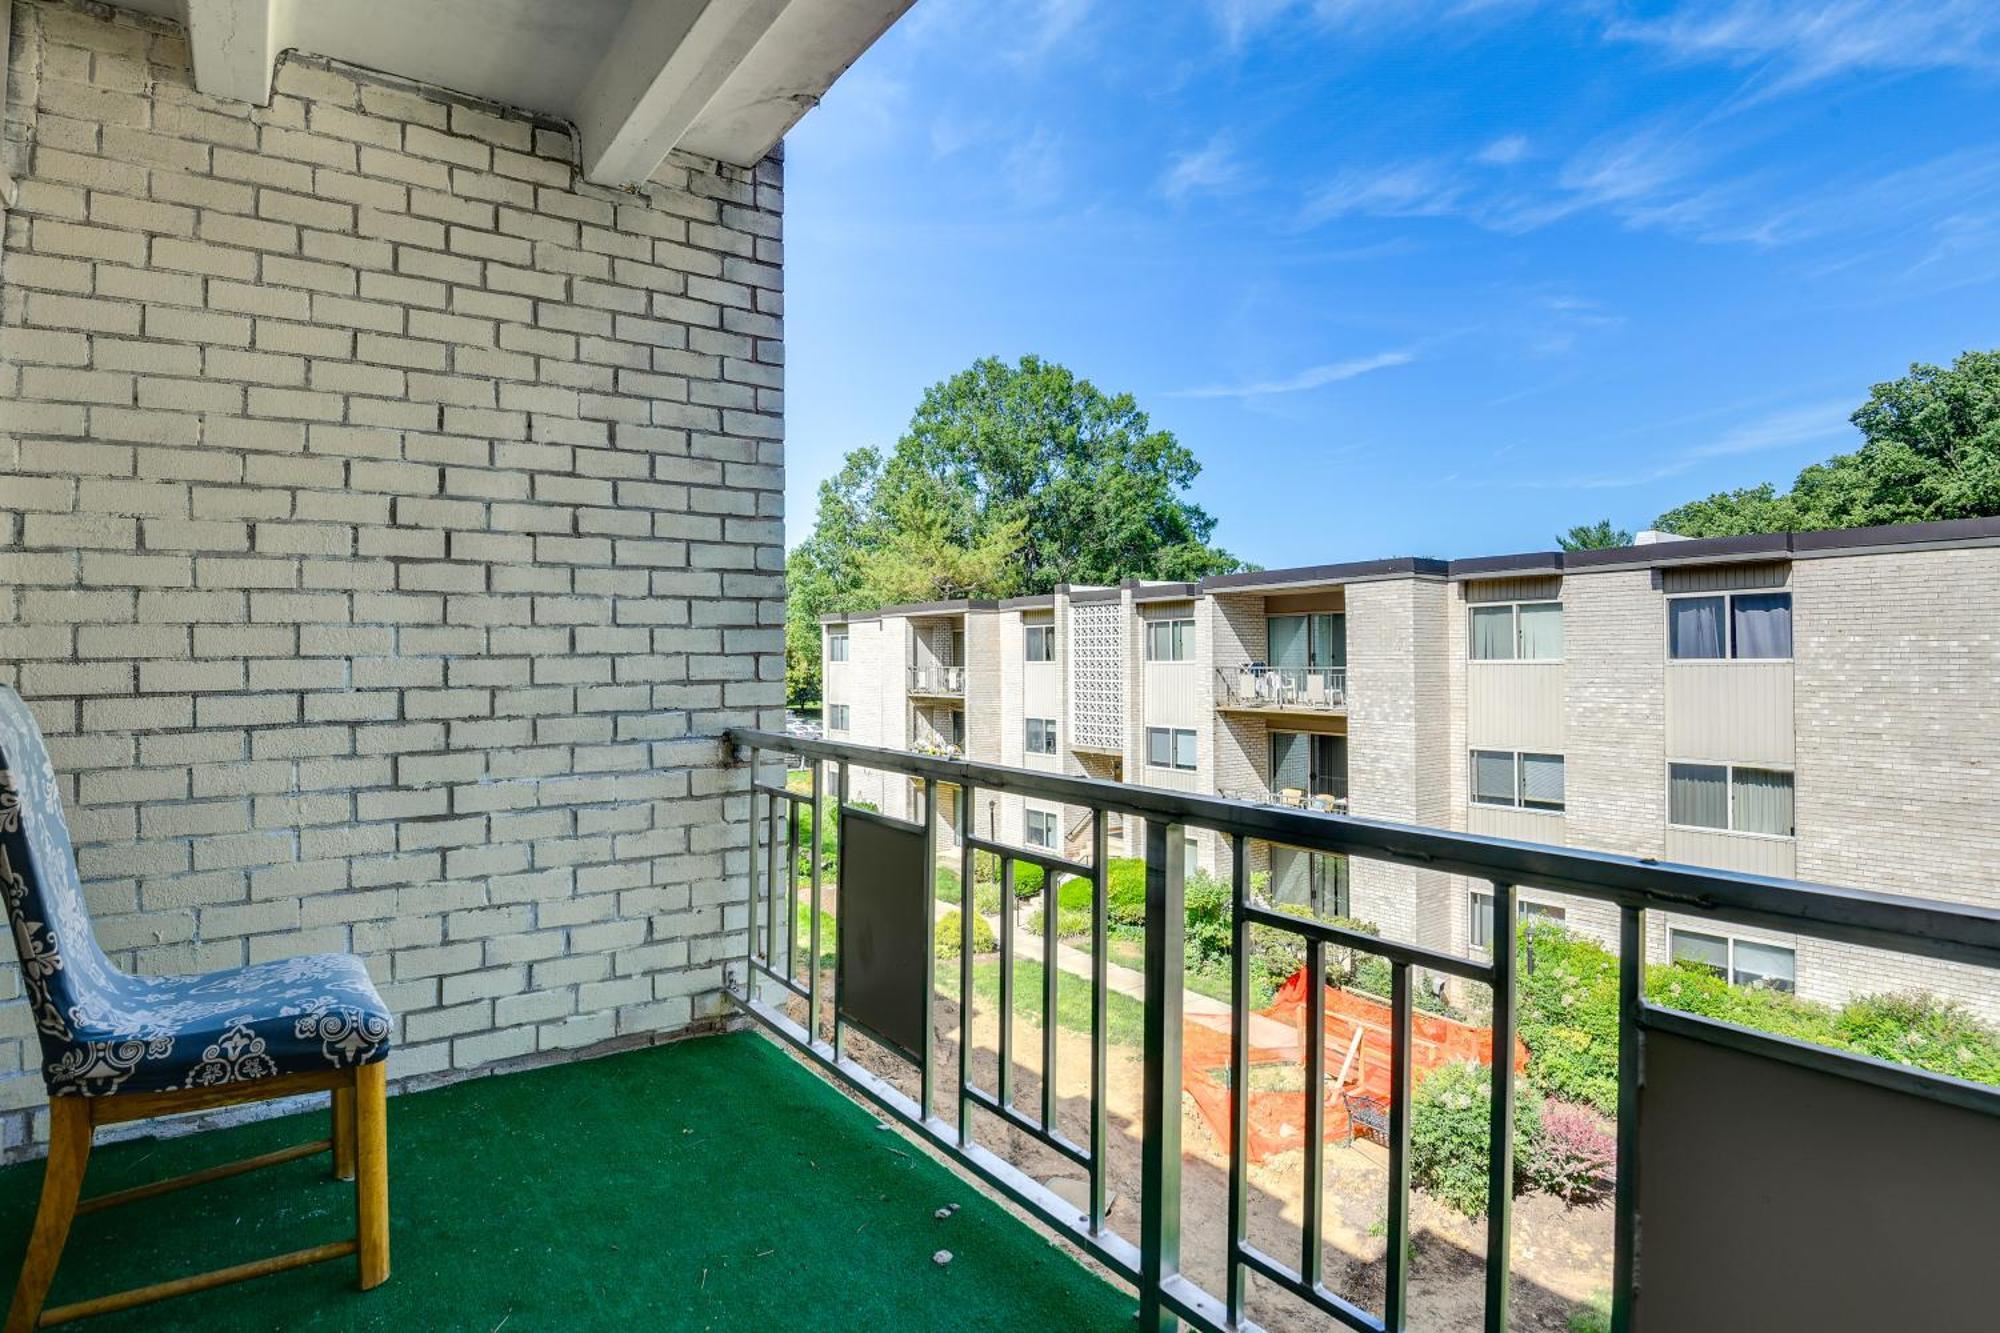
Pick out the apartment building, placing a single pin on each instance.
(1813, 705)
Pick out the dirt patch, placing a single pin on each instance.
(1561, 1255)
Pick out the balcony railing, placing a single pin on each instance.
(1304, 689)
(1690, 1090)
(938, 680)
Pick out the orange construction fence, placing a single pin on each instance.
(1277, 1056)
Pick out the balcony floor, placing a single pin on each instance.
(713, 1183)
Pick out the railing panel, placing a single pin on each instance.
(1655, 1045)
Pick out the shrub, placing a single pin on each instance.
(1450, 1130)
(1125, 890)
(1576, 1151)
(1568, 1015)
(949, 930)
(1074, 894)
(1374, 975)
(1027, 875)
(1594, 1316)
(949, 888)
(1918, 1029)
(1569, 1018)
(1068, 921)
(986, 899)
(1209, 925)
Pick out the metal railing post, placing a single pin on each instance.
(1395, 1295)
(966, 908)
(1239, 1076)
(818, 853)
(928, 1076)
(1500, 1155)
(1100, 1034)
(1160, 1170)
(1625, 1202)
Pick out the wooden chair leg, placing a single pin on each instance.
(371, 1180)
(62, 1181)
(343, 1133)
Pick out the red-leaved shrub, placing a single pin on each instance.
(1575, 1153)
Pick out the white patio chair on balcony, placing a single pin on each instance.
(1316, 696)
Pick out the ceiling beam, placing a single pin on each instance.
(233, 46)
(809, 47)
(665, 64)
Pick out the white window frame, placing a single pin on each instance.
(1173, 735)
(1053, 823)
(1728, 625)
(836, 645)
(1182, 645)
(840, 718)
(1729, 969)
(1048, 725)
(1523, 907)
(1729, 788)
(1047, 634)
(1519, 802)
(1514, 635)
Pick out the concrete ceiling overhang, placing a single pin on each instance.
(637, 78)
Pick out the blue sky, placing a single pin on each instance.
(1408, 277)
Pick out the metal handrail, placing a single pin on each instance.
(939, 679)
(1255, 685)
(1926, 927)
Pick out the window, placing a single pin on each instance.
(1527, 781)
(1523, 632)
(1479, 925)
(1734, 797)
(836, 645)
(1739, 962)
(836, 717)
(1298, 644)
(1169, 640)
(1170, 748)
(1040, 641)
(1042, 827)
(1041, 735)
(1746, 625)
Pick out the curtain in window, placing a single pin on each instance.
(1184, 749)
(1770, 965)
(1330, 642)
(1492, 633)
(1183, 640)
(1762, 624)
(1289, 648)
(1763, 801)
(1542, 632)
(1542, 780)
(1291, 761)
(1159, 747)
(1698, 795)
(1291, 876)
(1480, 921)
(1708, 952)
(1694, 627)
(1493, 776)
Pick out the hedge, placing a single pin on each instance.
(1568, 1017)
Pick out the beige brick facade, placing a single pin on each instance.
(1885, 715)
(392, 524)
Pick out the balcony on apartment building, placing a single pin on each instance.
(1256, 687)
(937, 681)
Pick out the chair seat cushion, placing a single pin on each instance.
(290, 1016)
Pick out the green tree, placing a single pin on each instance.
(1010, 479)
(1594, 536)
(1930, 450)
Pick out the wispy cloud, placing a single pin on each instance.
(1504, 151)
(1415, 189)
(1208, 170)
(1313, 377)
(1785, 429)
(1801, 42)
(1033, 169)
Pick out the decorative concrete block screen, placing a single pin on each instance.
(389, 522)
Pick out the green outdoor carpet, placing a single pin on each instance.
(712, 1184)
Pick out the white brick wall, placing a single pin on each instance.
(394, 522)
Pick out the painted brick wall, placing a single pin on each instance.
(392, 522)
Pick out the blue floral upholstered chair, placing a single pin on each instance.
(117, 1047)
